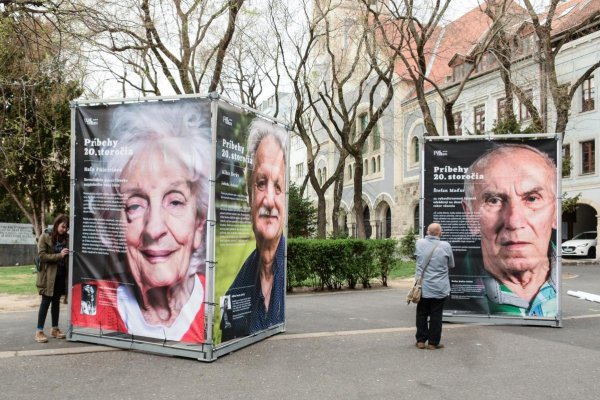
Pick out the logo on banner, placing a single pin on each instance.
(440, 153)
(90, 121)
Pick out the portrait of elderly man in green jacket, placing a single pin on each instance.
(512, 209)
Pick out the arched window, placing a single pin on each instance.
(320, 176)
(373, 166)
(367, 222)
(416, 152)
(378, 163)
(388, 223)
(416, 222)
(350, 172)
(366, 167)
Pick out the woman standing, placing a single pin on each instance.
(52, 277)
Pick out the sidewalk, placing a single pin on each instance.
(346, 345)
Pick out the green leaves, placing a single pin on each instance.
(35, 117)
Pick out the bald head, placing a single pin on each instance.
(434, 229)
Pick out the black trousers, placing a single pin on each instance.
(429, 320)
(52, 302)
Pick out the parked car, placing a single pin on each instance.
(583, 245)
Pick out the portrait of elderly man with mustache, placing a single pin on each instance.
(262, 276)
(513, 210)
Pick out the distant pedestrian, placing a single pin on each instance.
(52, 277)
(436, 255)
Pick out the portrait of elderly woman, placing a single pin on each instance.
(161, 180)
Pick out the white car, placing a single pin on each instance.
(583, 244)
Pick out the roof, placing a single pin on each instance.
(456, 42)
(574, 14)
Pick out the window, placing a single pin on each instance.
(378, 163)
(299, 170)
(322, 175)
(566, 163)
(415, 149)
(588, 93)
(479, 119)
(366, 167)
(527, 44)
(524, 41)
(297, 142)
(487, 61)
(349, 172)
(388, 223)
(364, 121)
(588, 157)
(373, 165)
(501, 109)
(416, 219)
(457, 123)
(459, 72)
(523, 111)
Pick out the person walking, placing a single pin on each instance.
(52, 277)
(434, 256)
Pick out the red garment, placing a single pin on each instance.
(108, 318)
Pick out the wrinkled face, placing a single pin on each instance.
(268, 192)
(62, 228)
(163, 228)
(517, 211)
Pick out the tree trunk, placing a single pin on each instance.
(358, 207)
(321, 215)
(338, 190)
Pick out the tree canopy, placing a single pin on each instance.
(35, 117)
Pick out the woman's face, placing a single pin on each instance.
(163, 228)
(62, 228)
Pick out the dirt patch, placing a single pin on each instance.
(19, 302)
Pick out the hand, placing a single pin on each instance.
(64, 252)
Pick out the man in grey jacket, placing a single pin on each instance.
(436, 255)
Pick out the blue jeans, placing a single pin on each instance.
(429, 331)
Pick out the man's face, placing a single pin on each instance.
(517, 211)
(268, 193)
(162, 227)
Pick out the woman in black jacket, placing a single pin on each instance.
(52, 277)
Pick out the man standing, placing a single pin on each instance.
(513, 210)
(258, 292)
(435, 258)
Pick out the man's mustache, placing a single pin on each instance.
(267, 212)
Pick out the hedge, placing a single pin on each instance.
(334, 263)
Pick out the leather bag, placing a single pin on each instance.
(414, 294)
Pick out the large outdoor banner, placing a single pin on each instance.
(140, 206)
(251, 213)
(497, 203)
(178, 226)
